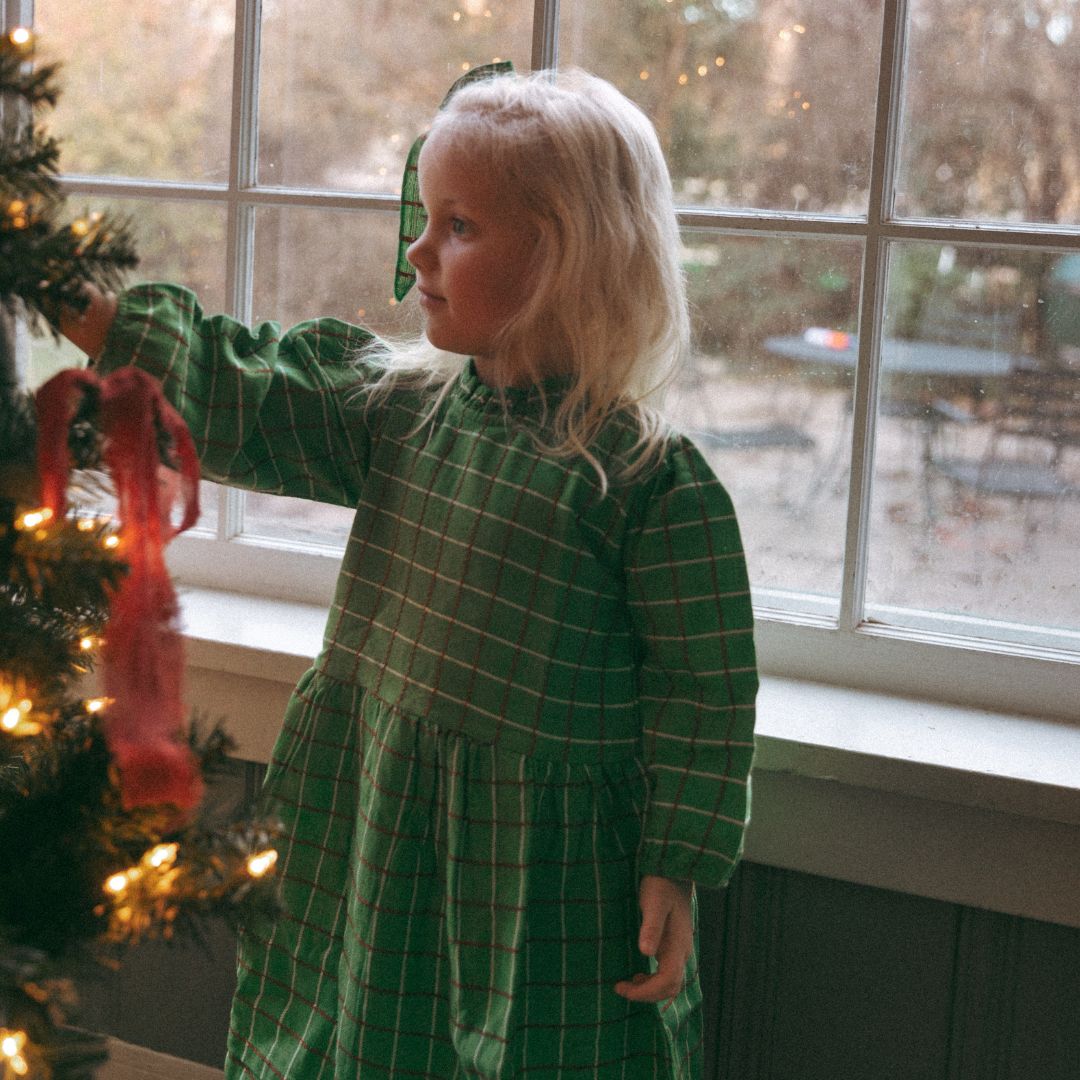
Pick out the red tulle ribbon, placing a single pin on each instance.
(143, 651)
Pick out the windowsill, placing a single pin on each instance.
(129, 1062)
(956, 803)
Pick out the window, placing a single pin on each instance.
(881, 214)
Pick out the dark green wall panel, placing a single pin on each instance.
(807, 978)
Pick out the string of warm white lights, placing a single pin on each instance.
(12, 1053)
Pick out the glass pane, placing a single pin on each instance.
(176, 241)
(347, 124)
(310, 263)
(768, 397)
(989, 129)
(146, 88)
(758, 103)
(976, 500)
(208, 508)
(324, 262)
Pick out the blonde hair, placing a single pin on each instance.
(584, 165)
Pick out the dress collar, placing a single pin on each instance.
(516, 400)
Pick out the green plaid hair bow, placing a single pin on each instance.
(413, 215)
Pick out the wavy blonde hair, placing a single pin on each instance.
(584, 165)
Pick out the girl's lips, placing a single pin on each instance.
(428, 299)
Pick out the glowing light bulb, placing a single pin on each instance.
(258, 865)
(11, 1050)
(95, 705)
(85, 524)
(21, 35)
(88, 643)
(111, 541)
(116, 883)
(33, 518)
(162, 855)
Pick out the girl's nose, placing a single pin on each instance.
(419, 251)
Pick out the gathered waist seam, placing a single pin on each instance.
(483, 728)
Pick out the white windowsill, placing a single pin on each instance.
(954, 803)
(130, 1062)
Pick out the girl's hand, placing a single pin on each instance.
(88, 329)
(667, 932)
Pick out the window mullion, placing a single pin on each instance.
(872, 314)
(545, 42)
(16, 13)
(240, 229)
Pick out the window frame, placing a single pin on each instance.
(1027, 672)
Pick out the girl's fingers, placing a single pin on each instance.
(88, 329)
(667, 934)
(652, 931)
(666, 982)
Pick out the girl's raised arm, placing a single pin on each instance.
(271, 411)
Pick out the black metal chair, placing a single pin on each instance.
(1015, 446)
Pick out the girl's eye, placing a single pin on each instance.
(458, 226)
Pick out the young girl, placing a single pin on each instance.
(533, 711)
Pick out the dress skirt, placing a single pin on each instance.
(451, 909)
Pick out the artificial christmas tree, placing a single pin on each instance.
(102, 839)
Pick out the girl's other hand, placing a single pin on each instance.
(88, 329)
(667, 932)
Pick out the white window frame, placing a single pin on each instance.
(1027, 671)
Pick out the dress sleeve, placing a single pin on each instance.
(690, 609)
(270, 411)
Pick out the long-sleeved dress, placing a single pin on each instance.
(530, 693)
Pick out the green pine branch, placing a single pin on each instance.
(36, 86)
(45, 265)
(44, 261)
(42, 645)
(28, 168)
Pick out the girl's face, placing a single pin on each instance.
(473, 259)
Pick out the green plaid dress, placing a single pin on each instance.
(529, 694)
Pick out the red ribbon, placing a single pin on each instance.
(143, 652)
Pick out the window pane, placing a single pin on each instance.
(310, 263)
(322, 262)
(768, 399)
(976, 503)
(343, 95)
(175, 241)
(758, 103)
(990, 124)
(146, 87)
